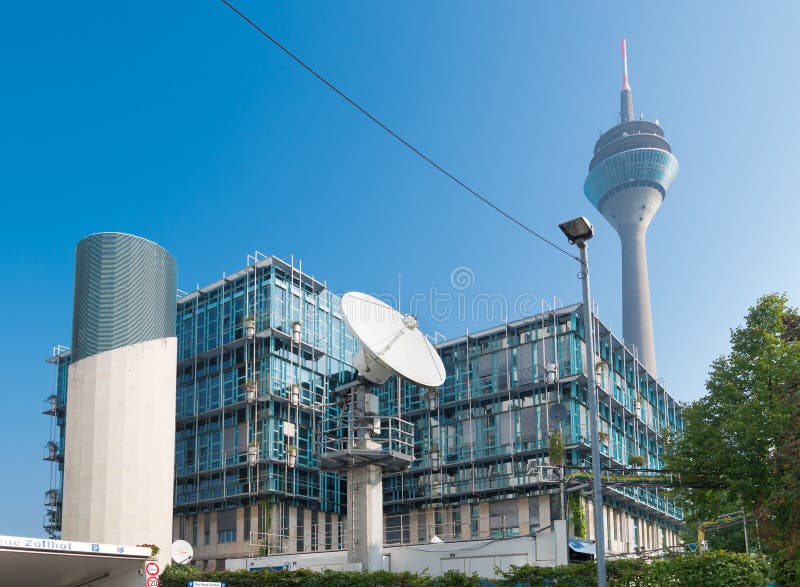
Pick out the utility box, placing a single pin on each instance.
(369, 404)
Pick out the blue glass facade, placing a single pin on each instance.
(654, 167)
(480, 435)
(124, 293)
(249, 404)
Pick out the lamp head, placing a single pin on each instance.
(577, 230)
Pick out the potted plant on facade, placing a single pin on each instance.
(635, 460)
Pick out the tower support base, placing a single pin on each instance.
(365, 516)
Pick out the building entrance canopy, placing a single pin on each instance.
(33, 562)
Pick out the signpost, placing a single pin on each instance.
(152, 569)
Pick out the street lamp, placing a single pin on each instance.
(578, 231)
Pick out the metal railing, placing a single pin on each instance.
(402, 529)
(322, 537)
(385, 434)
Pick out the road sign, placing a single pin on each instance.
(152, 568)
(153, 582)
(206, 584)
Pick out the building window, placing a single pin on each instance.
(393, 529)
(226, 526)
(438, 521)
(246, 523)
(533, 513)
(555, 506)
(314, 531)
(504, 518)
(422, 530)
(328, 532)
(301, 530)
(474, 520)
(284, 523)
(456, 522)
(207, 528)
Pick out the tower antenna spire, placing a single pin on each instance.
(625, 84)
(626, 99)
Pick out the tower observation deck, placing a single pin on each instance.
(629, 175)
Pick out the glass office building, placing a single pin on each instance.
(260, 353)
(482, 466)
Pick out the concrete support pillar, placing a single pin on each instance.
(292, 538)
(544, 511)
(307, 529)
(465, 522)
(524, 526)
(322, 531)
(240, 537)
(562, 549)
(336, 523)
(483, 524)
(365, 516)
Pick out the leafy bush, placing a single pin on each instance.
(709, 569)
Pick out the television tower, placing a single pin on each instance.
(629, 175)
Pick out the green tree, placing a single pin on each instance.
(745, 431)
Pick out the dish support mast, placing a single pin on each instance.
(363, 445)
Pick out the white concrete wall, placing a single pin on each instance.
(468, 556)
(547, 548)
(317, 561)
(119, 452)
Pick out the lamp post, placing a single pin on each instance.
(578, 231)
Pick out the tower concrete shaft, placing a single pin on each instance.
(629, 175)
(120, 418)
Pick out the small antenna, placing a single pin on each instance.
(625, 84)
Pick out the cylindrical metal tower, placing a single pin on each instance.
(118, 457)
(629, 175)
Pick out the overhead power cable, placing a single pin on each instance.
(400, 139)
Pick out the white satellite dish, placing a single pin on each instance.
(390, 343)
(181, 552)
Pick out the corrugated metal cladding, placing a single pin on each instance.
(124, 293)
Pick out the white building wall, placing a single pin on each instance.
(483, 557)
(119, 448)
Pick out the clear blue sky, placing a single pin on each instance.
(176, 122)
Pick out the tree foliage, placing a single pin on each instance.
(556, 448)
(578, 514)
(746, 430)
